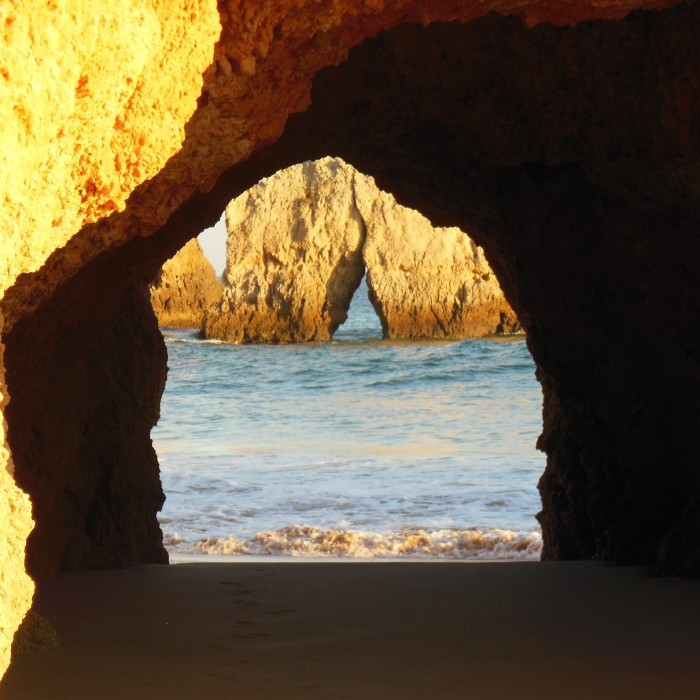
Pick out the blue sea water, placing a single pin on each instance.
(360, 447)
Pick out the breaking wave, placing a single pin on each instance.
(307, 541)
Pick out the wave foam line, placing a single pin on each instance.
(306, 541)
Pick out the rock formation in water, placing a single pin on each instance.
(427, 282)
(569, 153)
(293, 257)
(186, 286)
(298, 246)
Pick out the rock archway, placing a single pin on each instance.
(568, 211)
(300, 242)
(568, 152)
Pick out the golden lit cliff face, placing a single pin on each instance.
(95, 103)
(569, 153)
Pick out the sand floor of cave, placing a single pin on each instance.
(337, 630)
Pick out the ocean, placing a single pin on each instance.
(355, 448)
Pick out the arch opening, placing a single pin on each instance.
(362, 322)
(352, 448)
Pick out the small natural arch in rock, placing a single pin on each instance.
(300, 242)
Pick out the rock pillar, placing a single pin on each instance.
(186, 286)
(294, 257)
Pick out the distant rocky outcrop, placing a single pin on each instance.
(298, 246)
(293, 257)
(427, 282)
(185, 288)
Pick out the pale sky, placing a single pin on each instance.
(213, 242)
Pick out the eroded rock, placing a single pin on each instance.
(427, 282)
(298, 246)
(35, 634)
(186, 286)
(16, 588)
(82, 413)
(293, 257)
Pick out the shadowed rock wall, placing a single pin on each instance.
(569, 154)
(80, 420)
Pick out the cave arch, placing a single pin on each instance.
(569, 153)
(567, 211)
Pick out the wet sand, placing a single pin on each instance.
(366, 631)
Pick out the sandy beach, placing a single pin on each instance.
(353, 630)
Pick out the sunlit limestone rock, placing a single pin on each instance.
(427, 282)
(293, 257)
(16, 588)
(185, 288)
(299, 243)
(98, 98)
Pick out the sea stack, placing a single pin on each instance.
(293, 257)
(299, 243)
(427, 282)
(185, 287)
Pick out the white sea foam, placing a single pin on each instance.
(307, 541)
(172, 336)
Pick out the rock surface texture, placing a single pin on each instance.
(427, 282)
(186, 286)
(562, 135)
(16, 588)
(299, 244)
(293, 257)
